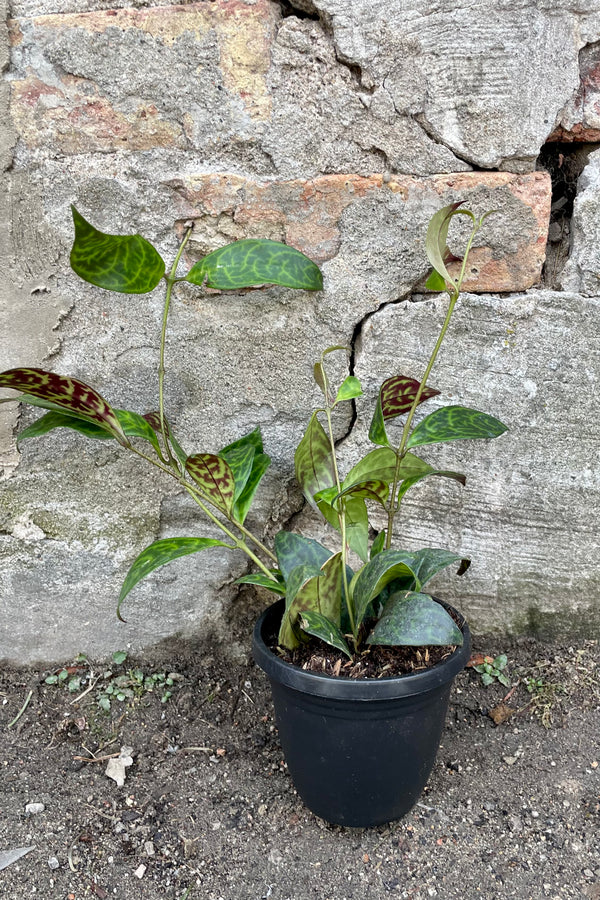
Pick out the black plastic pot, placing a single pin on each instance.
(359, 751)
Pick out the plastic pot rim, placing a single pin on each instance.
(367, 689)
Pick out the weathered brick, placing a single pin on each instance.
(190, 76)
(309, 214)
(580, 120)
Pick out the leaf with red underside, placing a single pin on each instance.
(398, 394)
(68, 394)
(215, 479)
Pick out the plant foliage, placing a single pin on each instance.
(366, 592)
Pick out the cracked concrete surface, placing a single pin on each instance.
(457, 67)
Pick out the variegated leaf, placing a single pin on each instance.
(455, 423)
(153, 419)
(215, 479)
(313, 461)
(158, 554)
(256, 261)
(398, 394)
(68, 394)
(127, 264)
(415, 620)
(133, 425)
(321, 627)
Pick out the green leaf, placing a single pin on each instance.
(437, 236)
(367, 490)
(313, 461)
(377, 432)
(54, 420)
(294, 550)
(349, 390)
(319, 376)
(309, 588)
(354, 510)
(119, 656)
(357, 526)
(435, 282)
(260, 465)
(376, 574)
(323, 628)
(408, 483)
(67, 394)
(257, 578)
(252, 439)
(215, 479)
(126, 264)
(240, 460)
(398, 395)
(378, 544)
(133, 425)
(380, 465)
(246, 479)
(158, 554)
(455, 423)
(252, 262)
(429, 561)
(415, 620)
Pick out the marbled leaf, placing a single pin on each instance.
(128, 264)
(260, 580)
(68, 394)
(158, 554)
(313, 461)
(321, 627)
(455, 423)
(214, 477)
(415, 620)
(398, 394)
(253, 262)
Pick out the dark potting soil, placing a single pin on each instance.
(373, 662)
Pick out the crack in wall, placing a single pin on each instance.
(565, 162)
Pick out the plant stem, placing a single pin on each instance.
(171, 279)
(239, 543)
(195, 495)
(454, 294)
(341, 518)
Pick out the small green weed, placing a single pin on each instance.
(493, 669)
(116, 684)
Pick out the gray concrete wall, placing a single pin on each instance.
(340, 130)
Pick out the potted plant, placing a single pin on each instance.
(361, 734)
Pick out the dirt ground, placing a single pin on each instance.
(207, 809)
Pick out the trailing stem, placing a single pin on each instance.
(340, 512)
(454, 294)
(171, 279)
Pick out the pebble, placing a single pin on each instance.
(53, 863)
(32, 809)
(140, 871)
(275, 857)
(149, 848)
